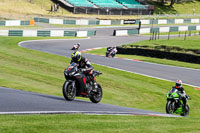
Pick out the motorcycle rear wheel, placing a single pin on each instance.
(96, 96)
(186, 112)
(69, 92)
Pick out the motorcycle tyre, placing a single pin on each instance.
(186, 113)
(97, 99)
(168, 104)
(66, 86)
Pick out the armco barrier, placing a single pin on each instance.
(16, 23)
(47, 33)
(116, 22)
(155, 29)
(160, 54)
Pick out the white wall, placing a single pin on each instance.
(81, 34)
(3, 32)
(121, 32)
(82, 22)
(195, 21)
(183, 28)
(198, 27)
(145, 21)
(30, 33)
(56, 21)
(13, 23)
(164, 29)
(57, 33)
(105, 22)
(145, 30)
(179, 21)
(162, 21)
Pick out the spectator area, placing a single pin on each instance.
(131, 3)
(81, 3)
(107, 3)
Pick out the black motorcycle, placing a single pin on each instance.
(78, 84)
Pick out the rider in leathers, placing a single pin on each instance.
(84, 65)
(182, 92)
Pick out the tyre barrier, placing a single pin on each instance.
(160, 54)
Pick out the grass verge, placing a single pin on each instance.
(92, 123)
(40, 72)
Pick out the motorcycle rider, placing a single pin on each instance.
(112, 50)
(84, 65)
(182, 94)
(76, 46)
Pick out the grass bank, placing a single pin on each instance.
(97, 124)
(40, 72)
(23, 9)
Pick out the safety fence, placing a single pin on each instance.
(47, 33)
(16, 23)
(117, 22)
(155, 29)
(160, 54)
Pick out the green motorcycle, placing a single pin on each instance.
(174, 103)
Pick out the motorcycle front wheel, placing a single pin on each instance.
(170, 107)
(69, 92)
(96, 96)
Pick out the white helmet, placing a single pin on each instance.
(178, 83)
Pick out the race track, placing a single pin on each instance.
(166, 72)
(22, 102)
(16, 102)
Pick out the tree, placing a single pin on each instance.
(172, 3)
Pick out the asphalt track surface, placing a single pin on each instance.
(22, 102)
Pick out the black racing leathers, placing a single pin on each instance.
(86, 66)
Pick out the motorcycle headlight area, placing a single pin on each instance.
(70, 74)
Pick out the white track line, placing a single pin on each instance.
(85, 112)
(144, 74)
(20, 43)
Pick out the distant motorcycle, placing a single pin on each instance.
(78, 84)
(76, 46)
(174, 103)
(111, 51)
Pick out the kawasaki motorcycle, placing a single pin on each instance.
(174, 103)
(78, 84)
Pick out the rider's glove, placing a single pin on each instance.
(83, 70)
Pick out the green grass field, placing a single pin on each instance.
(40, 72)
(96, 124)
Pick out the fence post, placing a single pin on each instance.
(185, 35)
(153, 35)
(168, 35)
